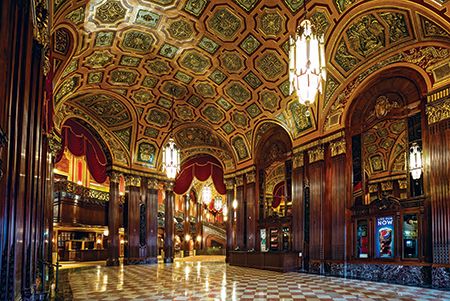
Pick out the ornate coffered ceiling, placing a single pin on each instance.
(218, 69)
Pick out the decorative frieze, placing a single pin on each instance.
(403, 183)
(337, 147)
(438, 107)
(316, 154)
(54, 144)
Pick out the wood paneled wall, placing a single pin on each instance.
(24, 188)
(316, 175)
(251, 215)
(439, 143)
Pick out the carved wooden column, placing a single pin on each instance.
(168, 223)
(199, 226)
(241, 225)
(113, 220)
(186, 225)
(298, 219)
(250, 197)
(132, 243)
(436, 155)
(152, 220)
(336, 195)
(229, 223)
(316, 176)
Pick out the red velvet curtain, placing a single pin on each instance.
(80, 142)
(278, 194)
(201, 168)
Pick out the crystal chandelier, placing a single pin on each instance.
(206, 195)
(306, 63)
(415, 161)
(171, 159)
(218, 203)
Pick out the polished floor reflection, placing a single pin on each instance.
(209, 280)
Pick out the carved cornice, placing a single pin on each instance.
(153, 183)
(298, 160)
(239, 180)
(239, 172)
(133, 181)
(316, 154)
(337, 147)
(385, 186)
(251, 177)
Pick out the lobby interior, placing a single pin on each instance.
(172, 150)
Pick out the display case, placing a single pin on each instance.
(274, 245)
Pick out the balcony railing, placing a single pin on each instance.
(71, 190)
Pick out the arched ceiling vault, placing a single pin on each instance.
(220, 67)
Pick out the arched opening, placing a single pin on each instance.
(385, 122)
(274, 169)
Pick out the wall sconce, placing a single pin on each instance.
(415, 161)
(206, 195)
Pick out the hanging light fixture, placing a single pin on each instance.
(206, 195)
(306, 62)
(218, 203)
(415, 161)
(171, 157)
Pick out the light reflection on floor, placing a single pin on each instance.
(208, 280)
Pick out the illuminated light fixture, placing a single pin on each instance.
(415, 161)
(187, 237)
(106, 232)
(218, 203)
(206, 195)
(171, 159)
(235, 204)
(306, 63)
(225, 210)
(199, 238)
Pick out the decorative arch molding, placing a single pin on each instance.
(418, 58)
(120, 155)
(81, 139)
(196, 139)
(64, 38)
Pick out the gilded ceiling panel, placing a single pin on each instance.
(223, 63)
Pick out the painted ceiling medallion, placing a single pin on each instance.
(248, 5)
(181, 29)
(225, 24)
(138, 41)
(214, 114)
(123, 77)
(271, 65)
(195, 61)
(99, 59)
(271, 23)
(195, 7)
(158, 67)
(157, 117)
(238, 92)
(107, 108)
(110, 12)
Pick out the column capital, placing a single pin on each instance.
(337, 147)
(54, 144)
(133, 181)
(251, 177)
(239, 180)
(229, 184)
(169, 185)
(114, 177)
(298, 160)
(316, 154)
(153, 183)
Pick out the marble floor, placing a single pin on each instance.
(212, 279)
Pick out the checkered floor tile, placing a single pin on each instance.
(217, 281)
